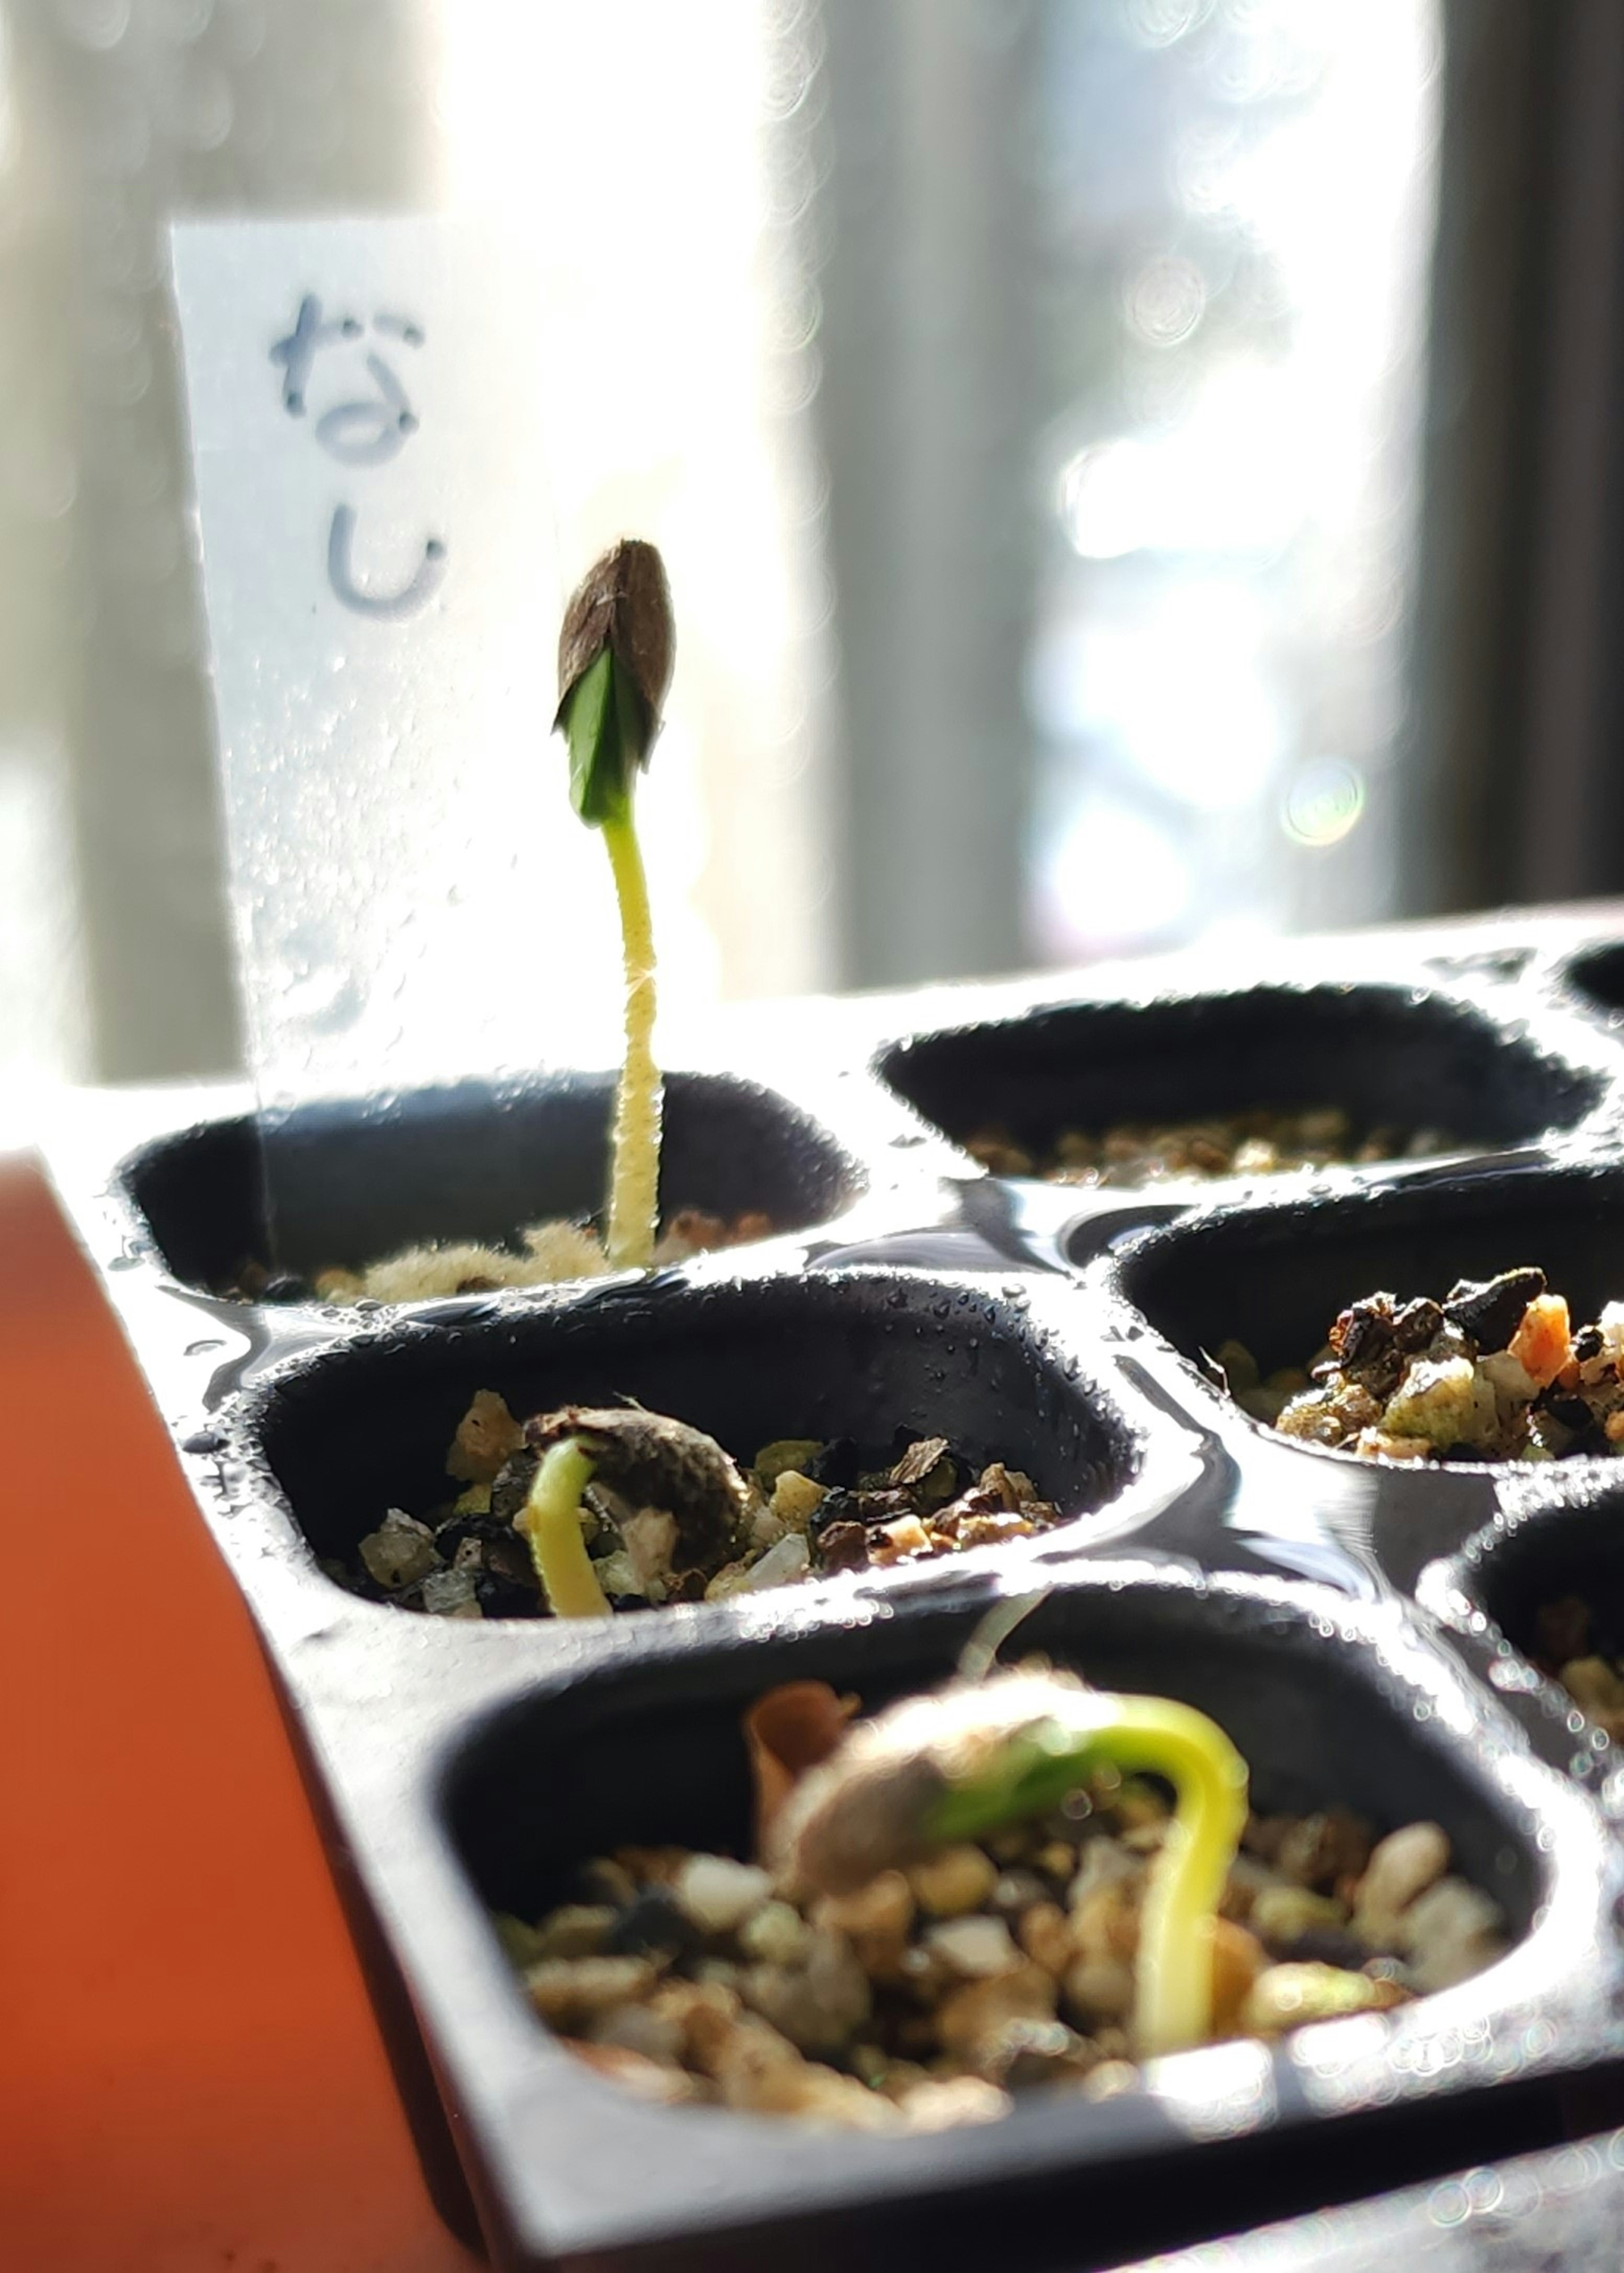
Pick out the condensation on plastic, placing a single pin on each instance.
(411, 891)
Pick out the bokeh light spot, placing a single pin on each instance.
(1323, 803)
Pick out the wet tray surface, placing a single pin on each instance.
(1366, 1633)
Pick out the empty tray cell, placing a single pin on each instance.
(1553, 1584)
(341, 1185)
(1274, 1277)
(1325, 1716)
(873, 1360)
(1424, 1068)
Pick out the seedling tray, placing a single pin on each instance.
(1360, 1629)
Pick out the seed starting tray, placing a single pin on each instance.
(1359, 1627)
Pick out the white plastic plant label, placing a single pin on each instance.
(412, 895)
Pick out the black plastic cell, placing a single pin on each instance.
(352, 1431)
(661, 1760)
(343, 1184)
(1389, 1055)
(1275, 1275)
(1567, 1543)
(455, 1764)
(1518, 1567)
(1324, 1714)
(1598, 975)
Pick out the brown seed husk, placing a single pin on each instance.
(623, 602)
(867, 1808)
(654, 1461)
(790, 1730)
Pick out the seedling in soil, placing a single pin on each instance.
(615, 654)
(973, 1758)
(643, 1455)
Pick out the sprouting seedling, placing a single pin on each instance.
(972, 1758)
(979, 1656)
(550, 1520)
(652, 1462)
(615, 654)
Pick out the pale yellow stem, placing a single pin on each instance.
(1136, 1736)
(550, 1520)
(1172, 2006)
(634, 1176)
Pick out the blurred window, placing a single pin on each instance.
(1238, 203)
(1027, 395)
(1147, 447)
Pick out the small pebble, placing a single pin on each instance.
(899, 1540)
(1290, 1996)
(1325, 1849)
(1283, 1914)
(657, 2080)
(1105, 1863)
(976, 1947)
(719, 1893)
(790, 1560)
(637, 2028)
(1045, 1932)
(796, 1499)
(401, 1551)
(1025, 2055)
(451, 1594)
(654, 1924)
(604, 1883)
(1402, 1866)
(577, 1930)
(777, 1934)
(970, 2018)
(821, 2002)
(955, 2100)
(1238, 1958)
(876, 1919)
(1453, 1930)
(568, 1991)
(957, 1879)
(1107, 1923)
(1015, 1890)
(1099, 1989)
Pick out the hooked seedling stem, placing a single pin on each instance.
(1136, 1736)
(550, 1521)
